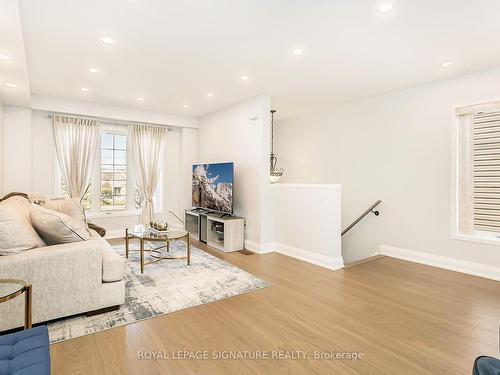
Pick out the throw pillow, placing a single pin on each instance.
(69, 206)
(16, 232)
(56, 227)
(37, 197)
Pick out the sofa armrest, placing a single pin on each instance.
(100, 230)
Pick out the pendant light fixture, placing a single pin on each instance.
(275, 173)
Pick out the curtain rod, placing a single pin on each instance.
(107, 120)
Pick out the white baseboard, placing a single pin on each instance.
(451, 264)
(259, 248)
(332, 263)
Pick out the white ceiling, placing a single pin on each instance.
(174, 52)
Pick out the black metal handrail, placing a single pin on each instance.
(376, 213)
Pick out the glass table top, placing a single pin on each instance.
(9, 287)
(140, 231)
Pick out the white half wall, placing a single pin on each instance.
(397, 148)
(307, 223)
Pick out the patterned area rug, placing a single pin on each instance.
(165, 286)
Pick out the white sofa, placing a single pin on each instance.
(66, 279)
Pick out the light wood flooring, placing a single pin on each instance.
(404, 317)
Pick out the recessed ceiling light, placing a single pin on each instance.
(385, 7)
(185, 105)
(3, 56)
(210, 94)
(10, 84)
(84, 89)
(140, 98)
(107, 40)
(93, 70)
(297, 52)
(446, 64)
(244, 78)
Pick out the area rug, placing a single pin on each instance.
(164, 287)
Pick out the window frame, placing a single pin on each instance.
(491, 238)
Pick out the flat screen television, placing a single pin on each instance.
(212, 187)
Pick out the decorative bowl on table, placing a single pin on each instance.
(158, 226)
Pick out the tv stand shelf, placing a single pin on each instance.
(221, 231)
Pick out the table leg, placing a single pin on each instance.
(189, 249)
(27, 307)
(142, 255)
(126, 243)
(168, 246)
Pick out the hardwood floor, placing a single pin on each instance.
(405, 318)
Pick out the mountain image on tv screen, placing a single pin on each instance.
(212, 187)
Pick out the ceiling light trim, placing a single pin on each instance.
(107, 40)
(385, 7)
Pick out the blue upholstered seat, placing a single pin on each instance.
(486, 366)
(25, 352)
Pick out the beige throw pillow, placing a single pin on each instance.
(69, 206)
(56, 227)
(16, 232)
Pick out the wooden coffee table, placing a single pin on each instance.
(11, 288)
(145, 234)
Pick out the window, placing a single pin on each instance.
(478, 172)
(113, 188)
(87, 197)
(113, 172)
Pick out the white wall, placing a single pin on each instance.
(237, 134)
(306, 221)
(29, 162)
(52, 104)
(189, 150)
(395, 147)
(302, 221)
(16, 149)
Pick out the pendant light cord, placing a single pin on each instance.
(272, 130)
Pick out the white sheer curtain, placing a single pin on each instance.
(76, 142)
(465, 180)
(148, 147)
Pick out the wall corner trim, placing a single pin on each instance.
(259, 248)
(457, 265)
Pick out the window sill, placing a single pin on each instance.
(111, 214)
(103, 215)
(492, 240)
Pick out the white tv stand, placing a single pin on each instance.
(223, 232)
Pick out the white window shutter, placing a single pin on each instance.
(486, 171)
